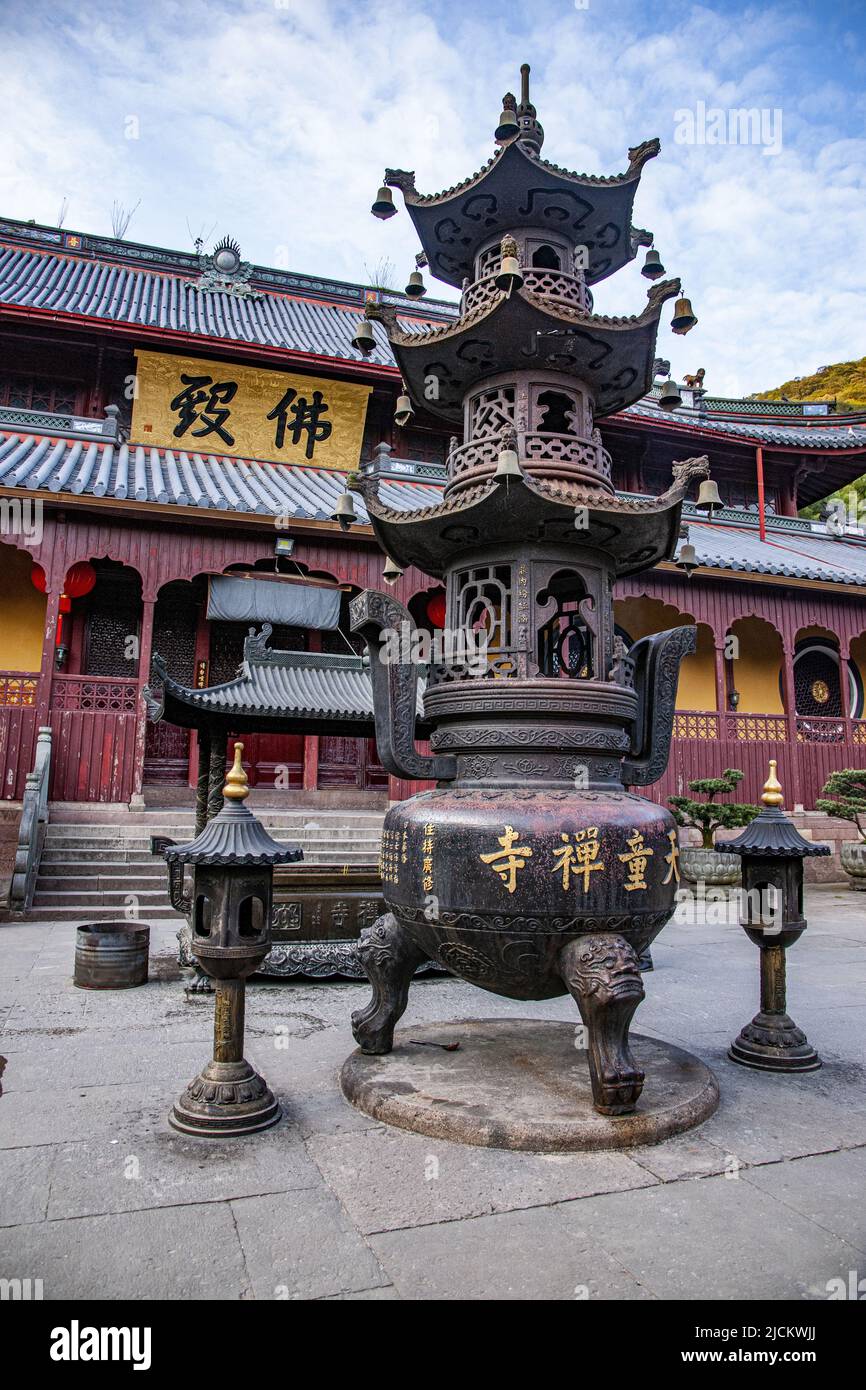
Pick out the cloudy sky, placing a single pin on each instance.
(272, 121)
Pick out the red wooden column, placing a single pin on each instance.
(311, 741)
(145, 647)
(844, 654)
(721, 686)
(790, 701)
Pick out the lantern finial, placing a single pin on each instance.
(237, 788)
(772, 793)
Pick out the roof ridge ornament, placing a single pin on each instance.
(224, 272)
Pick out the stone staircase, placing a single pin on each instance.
(99, 872)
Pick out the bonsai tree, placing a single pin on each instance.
(844, 796)
(710, 815)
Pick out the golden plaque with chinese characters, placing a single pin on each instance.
(207, 407)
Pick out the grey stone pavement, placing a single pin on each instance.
(99, 1198)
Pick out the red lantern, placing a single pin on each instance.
(65, 603)
(436, 610)
(80, 579)
(37, 577)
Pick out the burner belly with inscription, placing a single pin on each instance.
(493, 883)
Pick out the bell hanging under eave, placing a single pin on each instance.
(403, 411)
(652, 267)
(670, 397)
(508, 464)
(688, 558)
(708, 496)
(344, 512)
(364, 340)
(416, 287)
(391, 572)
(508, 125)
(683, 319)
(384, 204)
(509, 275)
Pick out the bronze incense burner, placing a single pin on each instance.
(532, 869)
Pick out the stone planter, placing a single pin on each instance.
(853, 856)
(705, 865)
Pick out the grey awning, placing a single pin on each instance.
(237, 600)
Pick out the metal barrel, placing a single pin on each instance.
(111, 955)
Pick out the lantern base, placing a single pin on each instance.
(225, 1099)
(773, 1042)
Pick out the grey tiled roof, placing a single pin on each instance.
(800, 555)
(206, 482)
(158, 299)
(285, 689)
(820, 435)
(175, 477)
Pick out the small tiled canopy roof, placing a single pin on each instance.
(274, 692)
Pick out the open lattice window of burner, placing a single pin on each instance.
(484, 609)
(565, 641)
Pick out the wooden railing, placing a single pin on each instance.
(31, 831)
(806, 749)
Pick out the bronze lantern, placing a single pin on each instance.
(772, 850)
(232, 893)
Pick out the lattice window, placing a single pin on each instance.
(113, 620)
(94, 696)
(174, 627)
(39, 393)
(689, 724)
(817, 688)
(820, 731)
(17, 690)
(488, 262)
(492, 412)
(484, 597)
(757, 728)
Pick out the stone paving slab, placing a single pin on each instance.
(170, 1253)
(332, 1205)
(502, 1257)
(714, 1238)
(831, 1191)
(172, 1170)
(387, 1179)
(301, 1245)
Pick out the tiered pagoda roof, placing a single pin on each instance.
(517, 188)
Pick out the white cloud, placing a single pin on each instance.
(275, 121)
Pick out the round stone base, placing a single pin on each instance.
(224, 1100)
(522, 1083)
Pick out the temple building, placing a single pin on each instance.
(176, 430)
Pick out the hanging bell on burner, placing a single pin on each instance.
(344, 512)
(688, 558)
(509, 275)
(652, 267)
(508, 464)
(364, 340)
(508, 125)
(384, 204)
(416, 287)
(683, 318)
(708, 496)
(403, 411)
(391, 572)
(670, 397)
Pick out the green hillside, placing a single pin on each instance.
(846, 383)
